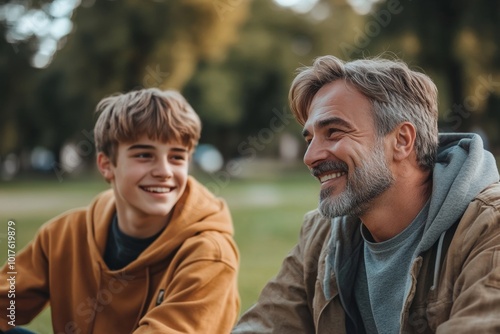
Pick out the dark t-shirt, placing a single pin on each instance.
(122, 249)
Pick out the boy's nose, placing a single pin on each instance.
(163, 169)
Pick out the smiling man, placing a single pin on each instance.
(154, 254)
(406, 238)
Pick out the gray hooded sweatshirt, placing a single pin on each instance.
(463, 168)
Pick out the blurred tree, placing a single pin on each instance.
(243, 99)
(14, 73)
(457, 43)
(115, 46)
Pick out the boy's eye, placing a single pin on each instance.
(143, 155)
(178, 157)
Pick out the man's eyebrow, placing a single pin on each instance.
(329, 121)
(334, 121)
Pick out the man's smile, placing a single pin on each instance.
(329, 176)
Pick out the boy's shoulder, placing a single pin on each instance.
(76, 219)
(202, 197)
(67, 217)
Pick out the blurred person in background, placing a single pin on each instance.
(154, 254)
(406, 238)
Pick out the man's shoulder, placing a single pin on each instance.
(490, 195)
(480, 219)
(315, 225)
(484, 209)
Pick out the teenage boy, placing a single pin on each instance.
(154, 254)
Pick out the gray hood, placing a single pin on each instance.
(463, 168)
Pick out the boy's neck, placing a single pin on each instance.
(144, 227)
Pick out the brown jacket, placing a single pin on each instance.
(465, 298)
(184, 282)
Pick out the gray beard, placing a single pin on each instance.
(365, 184)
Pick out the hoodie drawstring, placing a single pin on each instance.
(94, 315)
(443, 244)
(437, 264)
(142, 310)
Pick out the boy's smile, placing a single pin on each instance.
(148, 179)
(157, 190)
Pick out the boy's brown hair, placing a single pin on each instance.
(160, 115)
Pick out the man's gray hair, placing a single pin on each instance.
(397, 95)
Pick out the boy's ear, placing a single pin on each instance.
(105, 166)
(404, 136)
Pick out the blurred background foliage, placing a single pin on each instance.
(234, 60)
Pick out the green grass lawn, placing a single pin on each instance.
(267, 210)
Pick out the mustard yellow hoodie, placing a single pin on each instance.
(184, 282)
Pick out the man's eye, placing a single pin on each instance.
(333, 131)
(143, 155)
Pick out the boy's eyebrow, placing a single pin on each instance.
(140, 147)
(327, 122)
(151, 147)
(179, 149)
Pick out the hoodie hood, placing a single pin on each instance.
(463, 168)
(197, 210)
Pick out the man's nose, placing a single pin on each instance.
(315, 153)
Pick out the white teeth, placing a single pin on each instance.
(157, 189)
(327, 177)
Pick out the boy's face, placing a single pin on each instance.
(148, 179)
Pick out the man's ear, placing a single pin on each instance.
(105, 166)
(404, 140)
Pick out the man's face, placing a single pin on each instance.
(148, 178)
(344, 152)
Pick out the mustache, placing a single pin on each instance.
(328, 166)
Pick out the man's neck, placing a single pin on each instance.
(396, 208)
